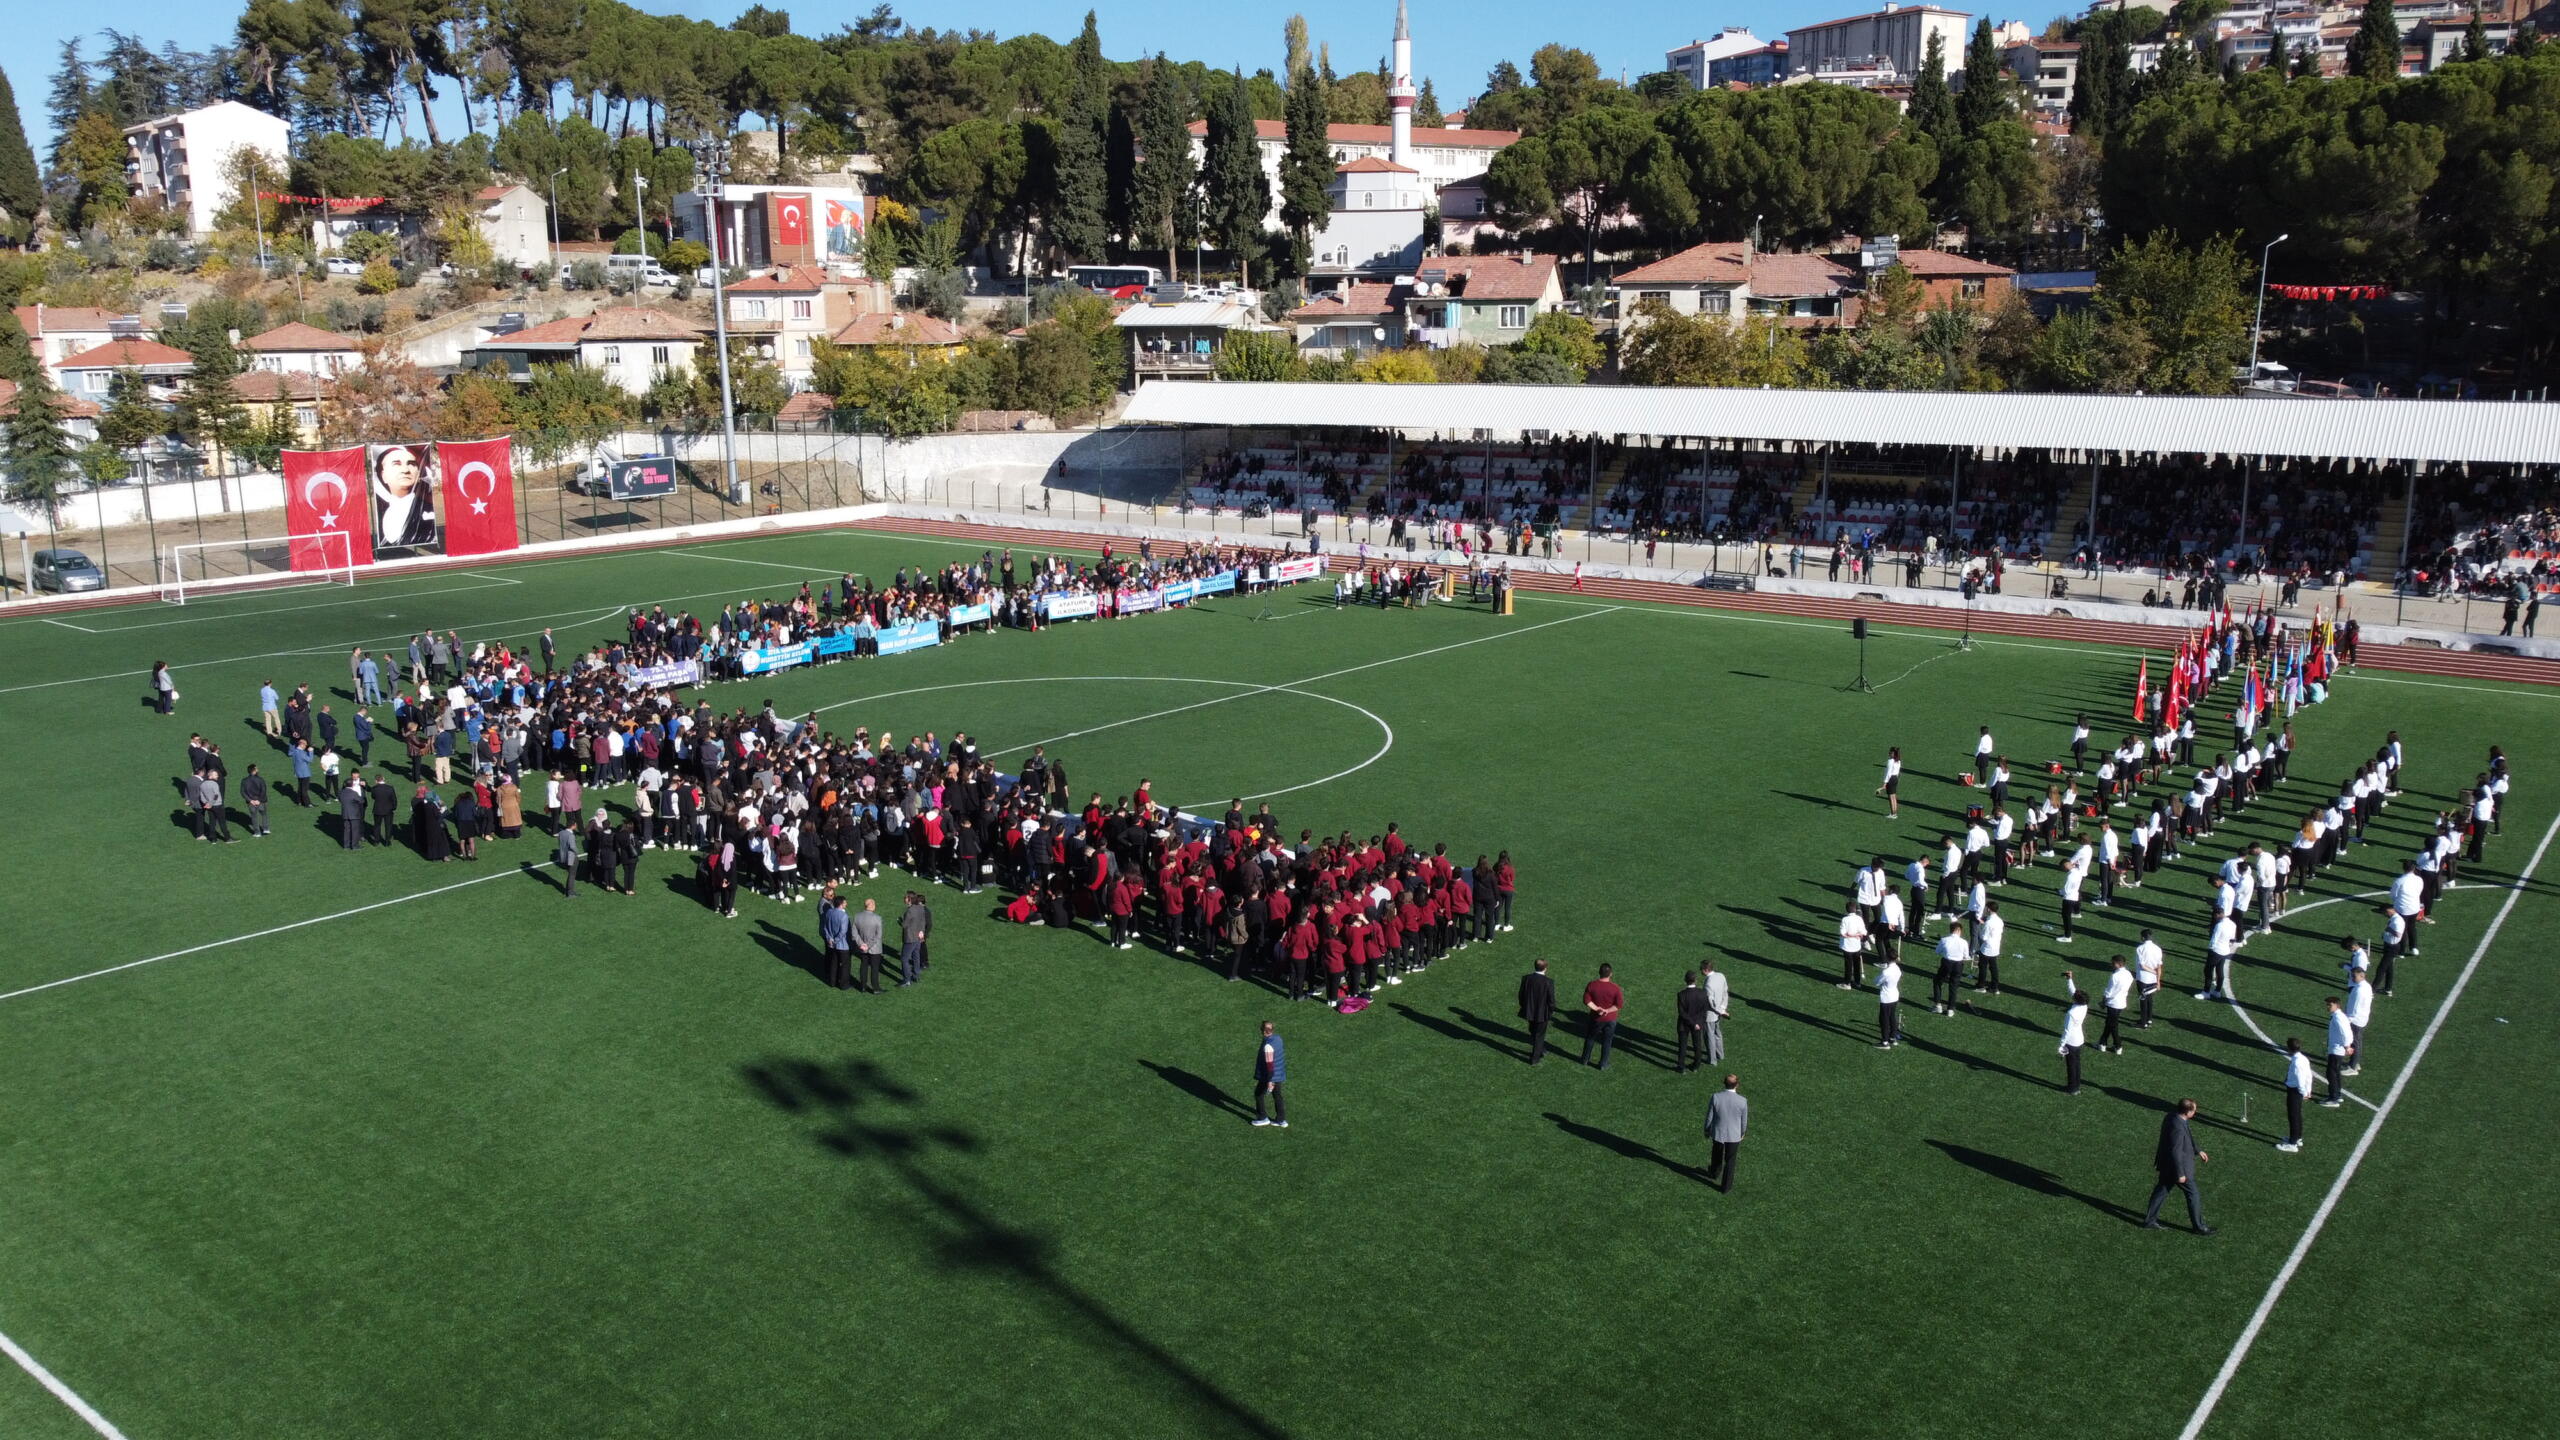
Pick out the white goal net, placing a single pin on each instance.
(193, 572)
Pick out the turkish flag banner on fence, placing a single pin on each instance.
(324, 495)
(479, 495)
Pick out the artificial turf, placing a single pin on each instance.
(491, 1162)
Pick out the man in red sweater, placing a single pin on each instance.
(1602, 998)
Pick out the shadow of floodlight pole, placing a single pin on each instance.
(968, 1237)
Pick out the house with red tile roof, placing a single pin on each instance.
(299, 349)
(91, 373)
(59, 332)
(900, 330)
(785, 313)
(1730, 278)
(631, 345)
(1479, 299)
(1359, 319)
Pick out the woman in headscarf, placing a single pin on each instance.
(510, 809)
(466, 822)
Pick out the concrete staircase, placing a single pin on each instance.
(2068, 515)
(2382, 544)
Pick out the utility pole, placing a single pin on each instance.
(711, 157)
(555, 220)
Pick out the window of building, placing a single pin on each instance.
(1367, 200)
(750, 309)
(96, 381)
(1715, 302)
(658, 356)
(1973, 289)
(306, 416)
(613, 355)
(801, 309)
(1512, 317)
(800, 347)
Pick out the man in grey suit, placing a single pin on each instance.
(1538, 1007)
(351, 798)
(1728, 1116)
(2175, 1164)
(1719, 1002)
(866, 945)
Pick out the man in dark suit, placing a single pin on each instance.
(1538, 1008)
(1728, 1117)
(1691, 1028)
(386, 809)
(2175, 1163)
(351, 802)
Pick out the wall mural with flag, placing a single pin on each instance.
(325, 495)
(479, 495)
(788, 221)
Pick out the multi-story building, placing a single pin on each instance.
(783, 315)
(1480, 299)
(299, 349)
(1695, 62)
(185, 160)
(59, 332)
(2046, 70)
(630, 345)
(1754, 68)
(1731, 279)
(1899, 33)
(761, 225)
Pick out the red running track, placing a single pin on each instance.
(2411, 659)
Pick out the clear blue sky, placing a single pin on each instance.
(1455, 42)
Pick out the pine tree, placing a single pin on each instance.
(1427, 114)
(21, 189)
(40, 457)
(1078, 220)
(209, 411)
(1239, 194)
(1160, 208)
(2374, 53)
(1986, 99)
(66, 99)
(2475, 37)
(1306, 166)
(2525, 38)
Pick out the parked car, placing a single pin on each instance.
(67, 572)
(345, 265)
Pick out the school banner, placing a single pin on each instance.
(1305, 567)
(668, 676)
(324, 495)
(1067, 607)
(1222, 583)
(840, 643)
(979, 614)
(914, 635)
(479, 496)
(1180, 592)
(777, 657)
(1139, 602)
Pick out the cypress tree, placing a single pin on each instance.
(2475, 37)
(1161, 204)
(1306, 165)
(2374, 53)
(1985, 100)
(1078, 220)
(1933, 106)
(1239, 194)
(21, 188)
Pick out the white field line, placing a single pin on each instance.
(88, 1413)
(493, 582)
(2355, 1159)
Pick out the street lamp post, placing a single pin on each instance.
(2257, 327)
(711, 157)
(555, 220)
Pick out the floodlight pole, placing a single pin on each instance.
(555, 220)
(712, 155)
(2257, 327)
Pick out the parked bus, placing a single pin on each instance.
(1119, 282)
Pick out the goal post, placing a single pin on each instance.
(195, 571)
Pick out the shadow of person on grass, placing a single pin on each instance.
(793, 949)
(1620, 1145)
(1200, 1088)
(857, 1111)
(1438, 1026)
(2028, 1177)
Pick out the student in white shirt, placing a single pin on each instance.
(2079, 742)
(1870, 892)
(2119, 994)
(1982, 753)
(2072, 874)
(2297, 1089)
(2218, 946)
(1916, 875)
(1953, 951)
(1986, 946)
(1888, 1006)
(2408, 901)
(1890, 924)
(2110, 856)
(2002, 830)
(2342, 1040)
(2075, 1025)
(1950, 878)
(2395, 940)
(1891, 789)
(1853, 944)
(1976, 841)
(2359, 1009)
(2149, 961)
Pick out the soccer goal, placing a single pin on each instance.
(194, 572)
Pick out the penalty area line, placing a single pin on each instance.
(70, 1398)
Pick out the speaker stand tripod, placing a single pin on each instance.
(1861, 685)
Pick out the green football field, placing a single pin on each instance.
(297, 1143)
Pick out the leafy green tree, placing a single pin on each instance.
(1232, 180)
(2374, 53)
(1673, 349)
(2525, 38)
(132, 418)
(1805, 162)
(1427, 113)
(1579, 173)
(1517, 365)
(66, 99)
(2191, 308)
(1160, 202)
(566, 408)
(1568, 339)
(540, 41)
(1259, 355)
(96, 152)
(209, 412)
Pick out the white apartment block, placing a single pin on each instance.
(185, 160)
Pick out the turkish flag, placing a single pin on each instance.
(324, 495)
(479, 495)
(790, 219)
